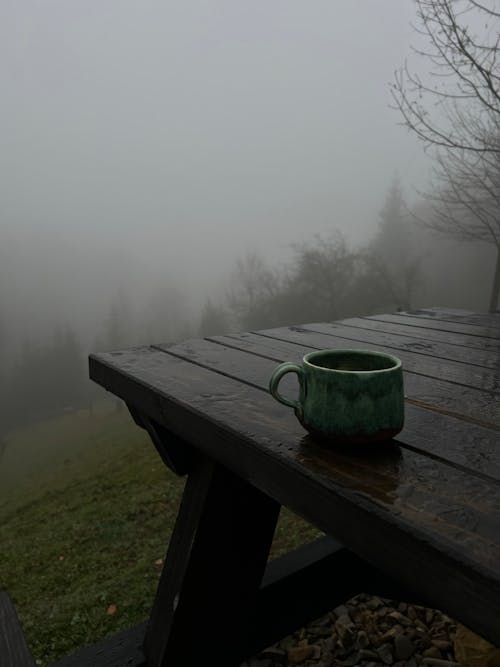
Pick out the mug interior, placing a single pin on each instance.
(357, 361)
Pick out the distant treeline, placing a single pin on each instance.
(400, 267)
(45, 380)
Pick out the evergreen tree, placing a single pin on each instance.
(391, 257)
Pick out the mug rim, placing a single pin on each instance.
(316, 353)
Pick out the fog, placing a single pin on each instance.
(151, 137)
(172, 169)
(146, 146)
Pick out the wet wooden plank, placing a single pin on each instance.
(458, 326)
(326, 336)
(404, 341)
(399, 329)
(487, 320)
(396, 508)
(468, 445)
(438, 395)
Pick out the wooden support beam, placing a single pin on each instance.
(307, 583)
(213, 571)
(298, 587)
(176, 454)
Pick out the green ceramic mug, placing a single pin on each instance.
(346, 395)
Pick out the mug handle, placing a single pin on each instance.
(280, 371)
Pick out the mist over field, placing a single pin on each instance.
(156, 158)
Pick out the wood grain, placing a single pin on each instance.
(396, 329)
(486, 320)
(450, 326)
(406, 342)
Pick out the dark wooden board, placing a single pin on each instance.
(406, 342)
(461, 373)
(458, 326)
(434, 394)
(396, 508)
(373, 323)
(467, 445)
(486, 320)
(14, 651)
(213, 570)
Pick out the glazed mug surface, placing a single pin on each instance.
(346, 395)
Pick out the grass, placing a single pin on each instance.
(86, 512)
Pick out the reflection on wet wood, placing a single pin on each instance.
(451, 413)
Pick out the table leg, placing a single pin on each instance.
(213, 570)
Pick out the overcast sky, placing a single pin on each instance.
(179, 134)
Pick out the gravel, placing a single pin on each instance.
(367, 632)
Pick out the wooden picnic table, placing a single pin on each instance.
(417, 517)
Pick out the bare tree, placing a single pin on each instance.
(456, 111)
(323, 274)
(461, 94)
(465, 201)
(253, 284)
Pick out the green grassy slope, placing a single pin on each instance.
(86, 512)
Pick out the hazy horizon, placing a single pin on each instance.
(157, 142)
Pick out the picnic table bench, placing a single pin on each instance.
(415, 519)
